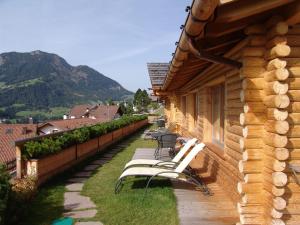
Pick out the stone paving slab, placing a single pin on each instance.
(88, 223)
(74, 187)
(77, 180)
(90, 167)
(81, 214)
(74, 201)
(83, 174)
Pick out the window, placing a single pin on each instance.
(195, 97)
(183, 105)
(217, 114)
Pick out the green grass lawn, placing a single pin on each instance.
(129, 207)
(126, 208)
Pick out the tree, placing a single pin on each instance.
(141, 99)
(127, 108)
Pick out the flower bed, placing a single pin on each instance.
(60, 158)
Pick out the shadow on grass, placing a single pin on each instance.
(155, 183)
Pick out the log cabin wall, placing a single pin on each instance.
(219, 163)
(262, 124)
(291, 213)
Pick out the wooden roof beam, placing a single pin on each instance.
(242, 9)
(212, 58)
(292, 13)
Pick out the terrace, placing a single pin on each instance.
(86, 193)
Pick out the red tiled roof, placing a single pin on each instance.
(70, 124)
(9, 133)
(102, 112)
(79, 110)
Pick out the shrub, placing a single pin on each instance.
(4, 191)
(52, 145)
(22, 192)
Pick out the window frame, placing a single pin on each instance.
(221, 114)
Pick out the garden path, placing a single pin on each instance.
(81, 207)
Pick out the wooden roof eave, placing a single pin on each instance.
(249, 8)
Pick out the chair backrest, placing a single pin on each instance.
(161, 123)
(167, 140)
(184, 149)
(189, 157)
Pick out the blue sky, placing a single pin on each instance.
(115, 37)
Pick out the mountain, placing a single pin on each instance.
(42, 80)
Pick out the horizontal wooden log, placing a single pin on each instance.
(233, 145)
(253, 199)
(295, 153)
(257, 40)
(253, 209)
(252, 72)
(294, 72)
(255, 29)
(277, 101)
(278, 153)
(294, 83)
(274, 164)
(232, 154)
(279, 127)
(243, 187)
(278, 51)
(254, 107)
(292, 62)
(253, 143)
(250, 166)
(253, 131)
(253, 178)
(275, 140)
(235, 129)
(295, 52)
(252, 118)
(251, 218)
(275, 87)
(254, 61)
(253, 83)
(251, 95)
(293, 143)
(234, 103)
(234, 86)
(294, 107)
(252, 154)
(294, 131)
(280, 74)
(253, 51)
(234, 111)
(277, 114)
(276, 63)
(233, 95)
(294, 118)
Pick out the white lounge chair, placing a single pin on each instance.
(154, 162)
(171, 173)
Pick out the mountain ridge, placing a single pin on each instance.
(39, 79)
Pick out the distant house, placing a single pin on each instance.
(67, 124)
(9, 133)
(102, 112)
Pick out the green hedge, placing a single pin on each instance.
(51, 145)
(4, 191)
